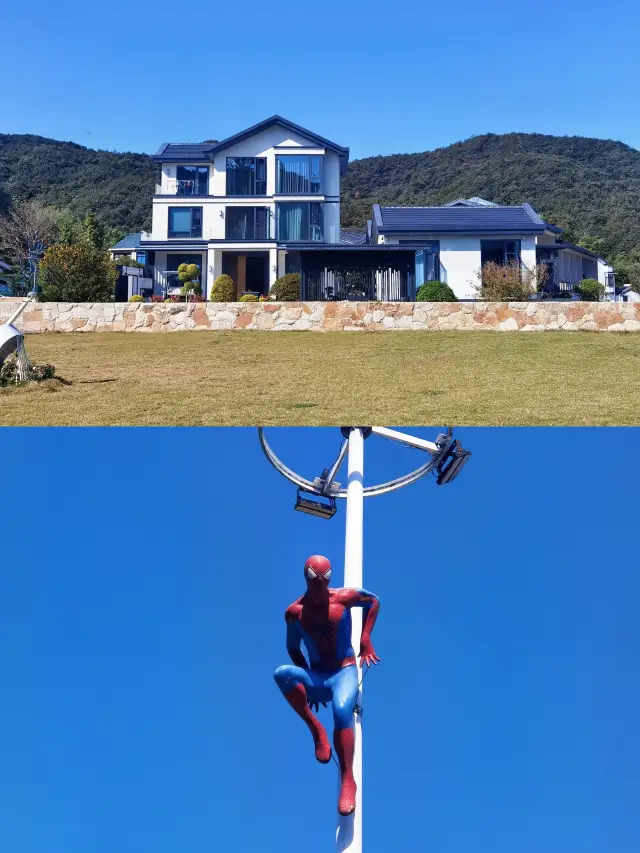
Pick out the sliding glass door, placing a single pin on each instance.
(247, 223)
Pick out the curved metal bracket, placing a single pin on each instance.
(443, 443)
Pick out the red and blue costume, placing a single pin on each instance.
(321, 619)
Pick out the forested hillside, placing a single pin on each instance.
(116, 187)
(591, 187)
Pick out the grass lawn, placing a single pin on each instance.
(306, 378)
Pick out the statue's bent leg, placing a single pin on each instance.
(298, 688)
(345, 696)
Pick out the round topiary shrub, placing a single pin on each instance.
(286, 288)
(249, 297)
(435, 291)
(136, 298)
(223, 289)
(590, 290)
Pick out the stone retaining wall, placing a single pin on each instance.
(326, 316)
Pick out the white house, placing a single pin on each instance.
(266, 201)
(228, 206)
(457, 239)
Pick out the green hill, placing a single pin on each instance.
(591, 187)
(117, 187)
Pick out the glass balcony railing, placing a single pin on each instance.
(183, 188)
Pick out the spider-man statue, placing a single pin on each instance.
(321, 619)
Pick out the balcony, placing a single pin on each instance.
(183, 188)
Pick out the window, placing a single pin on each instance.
(192, 180)
(500, 251)
(246, 176)
(299, 174)
(300, 222)
(427, 259)
(185, 222)
(246, 223)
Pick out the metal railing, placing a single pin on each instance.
(183, 188)
(358, 285)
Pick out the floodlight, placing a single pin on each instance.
(451, 463)
(312, 506)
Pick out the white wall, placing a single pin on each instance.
(460, 260)
(268, 143)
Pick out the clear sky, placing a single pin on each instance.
(145, 575)
(379, 77)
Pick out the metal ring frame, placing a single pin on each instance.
(368, 491)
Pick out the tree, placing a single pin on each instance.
(189, 275)
(627, 269)
(93, 231)
(25, 232)
(79, 273)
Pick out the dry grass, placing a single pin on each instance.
(305, 378)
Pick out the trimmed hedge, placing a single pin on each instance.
(286, 288)
(223, 289)
(249, 297)
(435, 291)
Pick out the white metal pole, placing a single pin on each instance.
(349, 829)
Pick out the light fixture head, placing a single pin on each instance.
(313, 506)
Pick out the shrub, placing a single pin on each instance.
(157, 298)
(223, 289)
(510, 282)
(78, 273)
(249, 297)
(195, 297)
(287, 288)
(189, 275)
(435, 291)
(136, 298)
(590, 290)
(263, 299)
(120, 261)
(37, 372)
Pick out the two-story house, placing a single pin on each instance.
(227, 206)
(266, 202)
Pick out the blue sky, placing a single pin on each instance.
(145, 577)
(380, 78)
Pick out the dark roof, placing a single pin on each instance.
(172, 152)
(580, 249)
(183, 152)
(131, 241)
(459, 220)
(351, 237)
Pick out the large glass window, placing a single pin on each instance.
(300, 222)
(192, 180)
(500, 251)
(246, 176)
(246, 223)
(299, 174)
(427, 259)
(185, 222)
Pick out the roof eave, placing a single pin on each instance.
(283, 122)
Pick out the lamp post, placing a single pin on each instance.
(446, 459)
